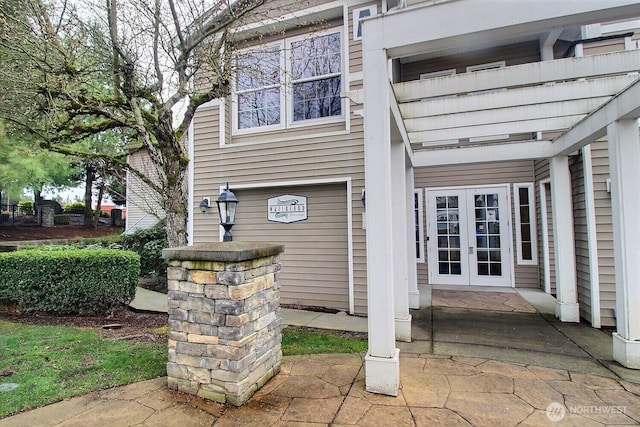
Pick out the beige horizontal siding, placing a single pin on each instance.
(291, 159)
(143, 204)
(604, 230)
(315, 260)
(542, 172)
(355, 46)
(515, 54)
(604, 46)
(583, 276)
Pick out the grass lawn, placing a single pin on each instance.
(305, 341)
(50, 363)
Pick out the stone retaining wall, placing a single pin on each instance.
(224, 319)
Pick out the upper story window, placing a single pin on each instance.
(289, 83)
(359, 14)
(258, 89)
(316, 66)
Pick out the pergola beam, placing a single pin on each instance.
(625, 105)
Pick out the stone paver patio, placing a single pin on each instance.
(325, 390)
(480, 359)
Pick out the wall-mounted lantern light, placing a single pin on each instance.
(204, 205)
(227, 203)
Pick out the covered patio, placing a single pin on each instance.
(569, 103)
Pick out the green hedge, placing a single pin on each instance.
(69, 281)
(148, 243)
(62, 219)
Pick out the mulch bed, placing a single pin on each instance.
(124, 324)
(10, 233)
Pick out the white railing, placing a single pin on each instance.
(541, 96)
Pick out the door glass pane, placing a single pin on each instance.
(448, 228)
(488, 254)
(456, 268)
(495, 256)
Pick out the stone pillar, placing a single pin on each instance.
(224, 319)
(48, 213)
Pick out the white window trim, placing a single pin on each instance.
(487, 66)
(290, 123)
(234, 95)
(286, 86)
(532, 216)
(442, 73)
(423, 249)
(356, 20)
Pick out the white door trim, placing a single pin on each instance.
(469, 223)
(338, 180)
(546, 263)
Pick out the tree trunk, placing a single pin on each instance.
(88, 197)
(175, 198)
(175, 208)
(96, 218)
(37, 196)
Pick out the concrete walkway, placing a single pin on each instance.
(146, 300)
(482, 358)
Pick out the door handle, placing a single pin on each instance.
(470, 250)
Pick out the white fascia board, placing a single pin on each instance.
(190, 184)
(506, 115)
(437, 26)
(400, 125)
(530, 74)
(625, 105)
(607, 86)
(534, 125)
(329, 10)
(484, 154)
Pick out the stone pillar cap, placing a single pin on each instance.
(223, 251)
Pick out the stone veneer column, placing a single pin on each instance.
(48, 214)
(224, 319)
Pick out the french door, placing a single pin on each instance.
(469, 238)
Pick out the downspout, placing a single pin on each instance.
(190, 184)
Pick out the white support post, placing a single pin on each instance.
(624, 156)
(567, 309)
(382, 362)
(414, 294)
(592, 236)
(399, 242)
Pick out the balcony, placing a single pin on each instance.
(549, 96)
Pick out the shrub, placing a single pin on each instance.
(149, 243)
(69, 281)
(25, 207)
(61, 219)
